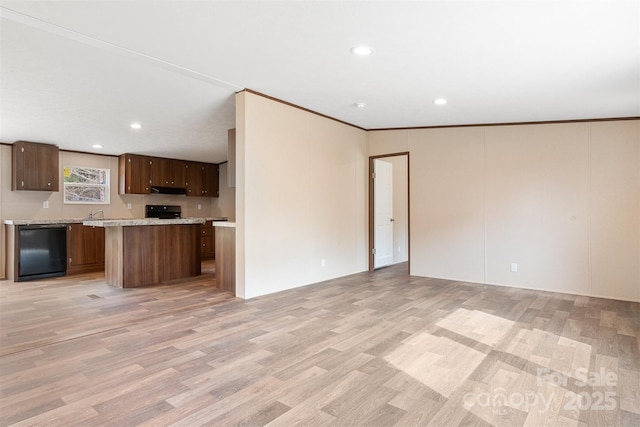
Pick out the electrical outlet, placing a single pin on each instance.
(129, 206)
(45, 204)
(199, 206)
(514, 267)
(323, 262)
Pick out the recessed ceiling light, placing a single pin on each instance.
(361, 50)
(136, 126)
(440, 101)
(97, 146)
(360, 105)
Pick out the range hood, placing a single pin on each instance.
(168, 190)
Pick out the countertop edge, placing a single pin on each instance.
(43, 221)
(226, 224)
(141, 222)
(99, 222)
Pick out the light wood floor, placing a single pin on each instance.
(373, 349)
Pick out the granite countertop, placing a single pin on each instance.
(107, 222)
(140, 221)
(44, 221)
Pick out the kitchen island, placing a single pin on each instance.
(142, 252)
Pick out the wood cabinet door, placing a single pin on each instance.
(134, 174)
(85, 249)
(210, 180)
(178, 173)
(35, 167)
(159, 174)
(193, 179)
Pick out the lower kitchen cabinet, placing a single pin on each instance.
(207, 240)
(85, 249)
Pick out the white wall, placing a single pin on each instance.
(560, 200)
(300, 197)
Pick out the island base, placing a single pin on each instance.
(147, 255)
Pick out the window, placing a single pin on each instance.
(86, 185)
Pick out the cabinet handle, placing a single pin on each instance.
(69, 228)
(49, 184)
(70, 261)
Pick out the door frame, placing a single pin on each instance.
(371, 205)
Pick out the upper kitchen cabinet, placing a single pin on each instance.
(134, 174)
(145, 174)
(194, 179)
(35, 167)
(210, 180)
(168, 172)
(202, 179)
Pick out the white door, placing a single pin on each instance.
(382, 213)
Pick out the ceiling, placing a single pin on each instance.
(78, 73)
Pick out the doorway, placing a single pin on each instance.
(388, 210)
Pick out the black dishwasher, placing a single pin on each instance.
(42, 251)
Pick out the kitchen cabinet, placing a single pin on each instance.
(85, 249)
(134, 174)
(194, 179)
(210, 180)
(137, 174)
(35, 167)
(177, 174)
(168, 172)
(202, 179)
(207, 240)
(158, 170)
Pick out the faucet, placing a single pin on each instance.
(92, 214)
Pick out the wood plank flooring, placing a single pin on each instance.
(374, 349)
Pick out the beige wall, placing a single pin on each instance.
(560, 200)
(300, 197)
(29, 204)
(447, 214)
